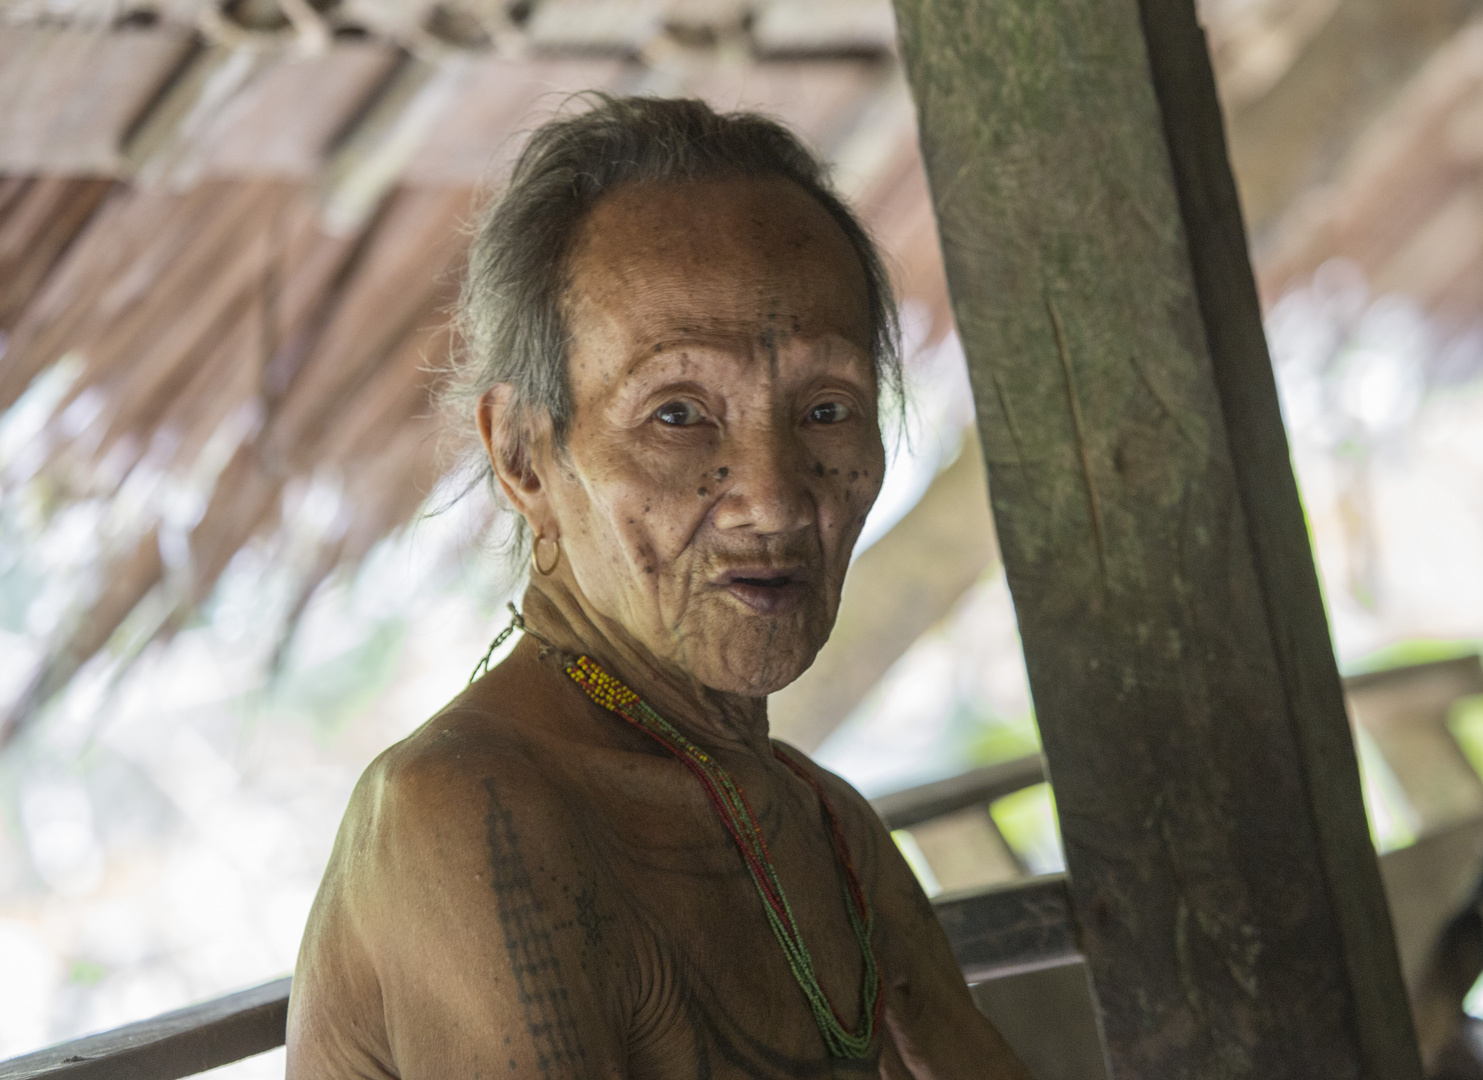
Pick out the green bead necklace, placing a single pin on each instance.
(736, 814)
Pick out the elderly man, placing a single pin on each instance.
(594, 862)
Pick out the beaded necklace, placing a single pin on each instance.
(736, 814)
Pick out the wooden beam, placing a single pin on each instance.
(1221, 875)
(995, 933)
(1405, 710)
(180, 1043)
(1018, 927)
(914, 806)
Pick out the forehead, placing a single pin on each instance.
(737, 257)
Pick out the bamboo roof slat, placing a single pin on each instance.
(69, 96)
(244, 501)
(43, 332)
(283, 122)
(394, 396)
(1407, 206)
(264, 280)
(500, 98)
(821, 26)
(127, 253)
(404, 279)
(124, 582)
(821, 100)
(39, 218)
(615, 26)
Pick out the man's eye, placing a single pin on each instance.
(831, 412)
(677, 414)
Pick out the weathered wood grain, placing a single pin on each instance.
(1220, 870)
(1287, 582)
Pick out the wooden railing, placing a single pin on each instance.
(994, 932)
(180, 1043)
(1014, 928)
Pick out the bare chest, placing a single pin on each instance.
(715, 992)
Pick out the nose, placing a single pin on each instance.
(770, 486)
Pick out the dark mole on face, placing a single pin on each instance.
(818, 468)
(702, 492)
(854, 475)
(722, 473)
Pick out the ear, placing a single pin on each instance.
(514, 446)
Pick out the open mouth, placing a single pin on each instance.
(763, 583)
(767, 590)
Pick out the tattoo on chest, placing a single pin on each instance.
(690, 1026)
(549, 1016)
(588, 917)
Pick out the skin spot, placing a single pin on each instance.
(818, 468)
(722, 473)
(854, 475)
(702, 492)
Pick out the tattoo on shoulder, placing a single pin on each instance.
(549, 1017)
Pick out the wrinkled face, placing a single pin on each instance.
(725, 447)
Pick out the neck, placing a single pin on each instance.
(556, 613)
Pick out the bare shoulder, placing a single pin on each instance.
(448, 901)
(428, 805)
(853, 808)
(903, 909)
(436, 819)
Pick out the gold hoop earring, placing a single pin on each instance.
(535, 556)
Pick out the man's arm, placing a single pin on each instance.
(447, 940)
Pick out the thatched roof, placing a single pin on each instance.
(229, 235)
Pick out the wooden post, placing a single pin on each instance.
(1223, 884)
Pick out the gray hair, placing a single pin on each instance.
(509, 315)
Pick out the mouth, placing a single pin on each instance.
(767, 590)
